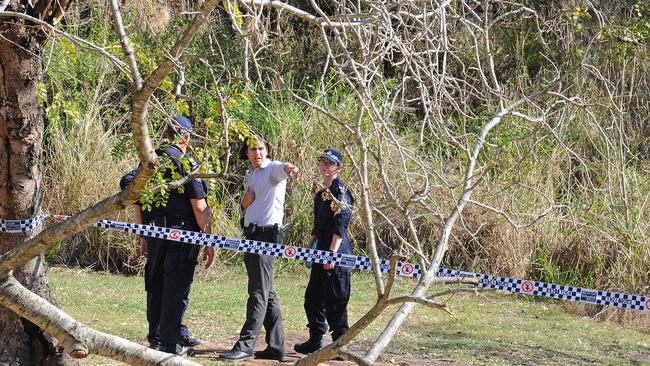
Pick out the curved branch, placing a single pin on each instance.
(468, 188)
(57, 232)
(78, 339)
(27, 250)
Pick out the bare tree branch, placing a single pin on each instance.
(78, 339)
(4, 5)
(127, 49)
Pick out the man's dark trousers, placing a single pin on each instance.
(263, 306)
(326, 297)
(168, 278)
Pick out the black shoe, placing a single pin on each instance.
(312, 345)
(338, 334)
(188, 341)
(269, 354)
(154, 343)
(175, 349)
(235, 355)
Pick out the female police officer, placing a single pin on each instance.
(328, 291)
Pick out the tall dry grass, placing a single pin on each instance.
(81, 169)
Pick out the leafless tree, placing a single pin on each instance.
(434, 69)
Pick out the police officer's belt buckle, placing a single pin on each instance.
(165, 221)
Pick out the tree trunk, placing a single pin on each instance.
(21, 137)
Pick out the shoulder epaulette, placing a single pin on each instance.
(343, 195)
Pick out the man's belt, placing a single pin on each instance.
(253, 229)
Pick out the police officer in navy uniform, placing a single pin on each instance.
(328, 290)
(169, 270)
(263, 210)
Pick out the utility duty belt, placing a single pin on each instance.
(276, 232)
(169, 221)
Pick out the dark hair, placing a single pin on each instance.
(243, 151)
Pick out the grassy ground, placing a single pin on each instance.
(496, 329)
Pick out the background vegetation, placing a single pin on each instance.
(597, 174)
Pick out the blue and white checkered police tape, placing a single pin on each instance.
(21, 226)
(515, 285)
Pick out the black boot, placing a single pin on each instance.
(336, 334)
(313, 344)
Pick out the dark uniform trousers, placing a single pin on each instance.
(169, 273)
(326, 298)
(263, 306)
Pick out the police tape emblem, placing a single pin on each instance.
(13, 226)
(175, 234)
(527, 287)
(407, 269)
(290, 252)
(647, 305)
(118, 226)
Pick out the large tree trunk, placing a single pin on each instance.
(21, 136)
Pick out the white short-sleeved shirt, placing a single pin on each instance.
(269, 182)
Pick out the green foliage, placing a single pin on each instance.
(599, 203)
(552, 272)
(123, 148)
(166, 173)
(631, 32)
(232, 8)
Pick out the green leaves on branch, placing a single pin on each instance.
(156, 194)
(183, 108)
(232, 8)
(61, 110)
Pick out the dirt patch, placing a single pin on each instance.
(212, 350)
(638, 357)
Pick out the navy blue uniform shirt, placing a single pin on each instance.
(332, 216)
(179, 205)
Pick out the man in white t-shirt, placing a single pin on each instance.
(263, 209)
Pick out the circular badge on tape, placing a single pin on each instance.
(407, 269)
(527, 287)
(175, 234)
(290, 252)
(647, 305)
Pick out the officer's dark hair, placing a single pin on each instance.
(243, 151)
